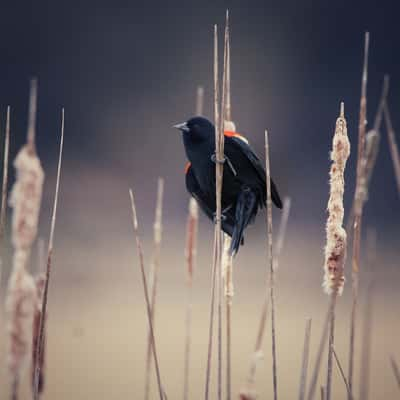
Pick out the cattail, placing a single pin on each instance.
(335, 250)
(21, 298)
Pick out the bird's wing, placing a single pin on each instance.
(206, 204)
(241, 144)
(194, 189)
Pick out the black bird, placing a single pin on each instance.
(244, 179)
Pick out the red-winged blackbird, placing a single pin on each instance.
(244, 179)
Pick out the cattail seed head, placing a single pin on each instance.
(335, 250)
(26, 198)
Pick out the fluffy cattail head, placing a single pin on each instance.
(20, 306)
(26, 197)
(335, 250)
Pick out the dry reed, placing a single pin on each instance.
(153, 278)
(304, 363)
(335, 250)
(40, 341)
(359, 197)
(146, 293)
(190, 255)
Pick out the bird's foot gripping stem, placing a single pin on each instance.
(223, 216)
(225, 158)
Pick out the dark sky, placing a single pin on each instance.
(126, 71)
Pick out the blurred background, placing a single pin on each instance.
(125, 73)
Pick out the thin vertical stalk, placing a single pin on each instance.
(271, 267)
(154, 275)
(32, 114)
(330, 345)
(358, 202)
(218, 219)
(318, 360)
(5, 176)
(42, 321)
(190, 255)
(304, 363)
(146, 292)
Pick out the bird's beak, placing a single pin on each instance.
(182, 127)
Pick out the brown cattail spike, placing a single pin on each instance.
(335, 250)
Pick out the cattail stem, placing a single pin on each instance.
(32, 114)
(40, 340)
(154, 275)
(190, 255)
(331, 344)
(358, 207)
(304, 364)
(146, 292)
(318, 360)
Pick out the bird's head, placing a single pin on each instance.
(197, 129)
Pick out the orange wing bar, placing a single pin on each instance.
(237, 135)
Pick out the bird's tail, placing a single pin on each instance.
(246, 210)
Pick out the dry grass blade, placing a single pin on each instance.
(190, 255)
(154, 275)
(342, 372)
(335, 249)
(39, 349)
(395, 369)
(322, 391)
(271, 266)
(304, 364)
(359, 197)
(146, 292)
(394, 150)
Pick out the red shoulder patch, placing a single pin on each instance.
(237, 135)
(187, 166)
